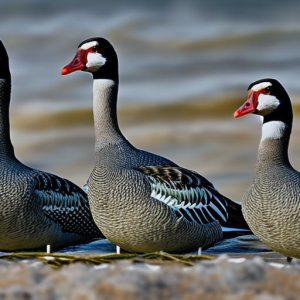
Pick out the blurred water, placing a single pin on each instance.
(170, 52)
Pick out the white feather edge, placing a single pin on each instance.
(174, 203)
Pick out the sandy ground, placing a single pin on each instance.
(248, 271)
(221, 279)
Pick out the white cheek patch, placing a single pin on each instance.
(95, 61)
(260, 86)
(88, 45)
(267, 104)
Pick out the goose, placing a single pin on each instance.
(141, 201)
(271, 206)
(37, 208)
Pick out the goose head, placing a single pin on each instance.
(4, 65)
(269, 99)
(96, 56)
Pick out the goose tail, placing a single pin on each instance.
(236, 224)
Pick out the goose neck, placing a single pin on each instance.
(273, 147)
(6, 148)
(107, 131)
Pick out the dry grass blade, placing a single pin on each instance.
(198, 257)
(167, 257)
(183, 259)
(57, 260)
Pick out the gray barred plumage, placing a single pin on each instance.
(142, 201)
(271, 206)
(36, 208)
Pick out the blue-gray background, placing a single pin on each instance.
(184, 68)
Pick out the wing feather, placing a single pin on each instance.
(188, 193)
(65, 204)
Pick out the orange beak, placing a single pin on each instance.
(249, 106)
(77, 64)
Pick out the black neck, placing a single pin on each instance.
(284, 111)
(108, 71)
(6, 148)
(284, 114)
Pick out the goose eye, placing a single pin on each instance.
(94, 49)
(268, 90)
